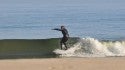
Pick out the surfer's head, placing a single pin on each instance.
(62, 27)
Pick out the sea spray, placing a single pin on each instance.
(90, 47)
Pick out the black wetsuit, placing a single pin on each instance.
(65, 36)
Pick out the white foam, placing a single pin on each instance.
(90, 47)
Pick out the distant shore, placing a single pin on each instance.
(111, 63)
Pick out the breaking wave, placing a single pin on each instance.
(90, 47)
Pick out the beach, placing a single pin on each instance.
(109, 63)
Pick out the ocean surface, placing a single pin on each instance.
(100, 25)
(100, 20)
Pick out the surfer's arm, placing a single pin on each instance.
(57, 29)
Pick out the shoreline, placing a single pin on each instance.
(112, 63)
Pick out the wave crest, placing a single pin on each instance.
(90, 47)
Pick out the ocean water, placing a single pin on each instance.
(100, 25)
(100, 20)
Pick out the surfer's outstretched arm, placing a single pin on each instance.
(57, 29)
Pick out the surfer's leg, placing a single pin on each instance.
(61, 43)
(65, 45)
(64, 42)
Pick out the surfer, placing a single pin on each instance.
(65, 36)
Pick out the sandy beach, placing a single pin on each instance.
(111, 63)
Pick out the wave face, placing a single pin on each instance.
(90, 47)
(30, 48)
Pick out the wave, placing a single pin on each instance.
(90, 47)
(30, 48)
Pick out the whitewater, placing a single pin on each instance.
(90, 47)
